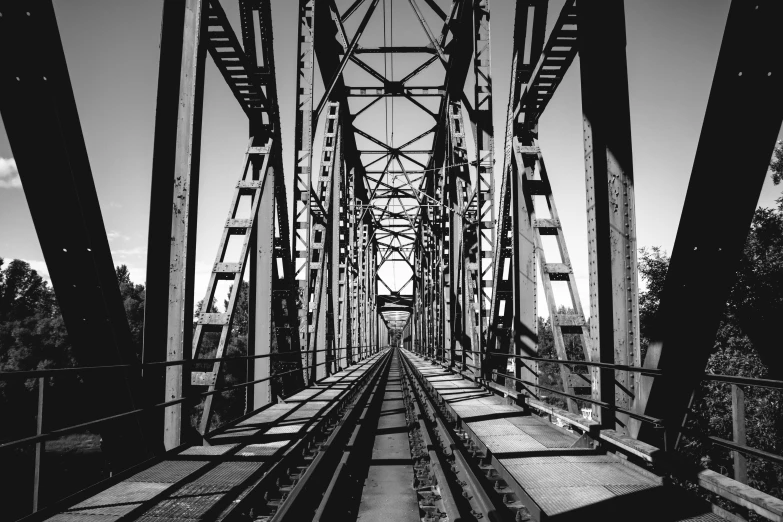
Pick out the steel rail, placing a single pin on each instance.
(299, 502)
(437, 460)
(359, 442)
(475, 489)
(303, 452)
(294, 449)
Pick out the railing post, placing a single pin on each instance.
(738, 429)
(39, 446)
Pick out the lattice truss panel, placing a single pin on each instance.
(406, 223)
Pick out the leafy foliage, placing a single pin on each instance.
(549, 373)
(743, 347)
(776, 165)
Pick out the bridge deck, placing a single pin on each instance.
(204, 482)
(559, 480)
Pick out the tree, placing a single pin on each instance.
(653, 266)
(133, 297)
(754, 299)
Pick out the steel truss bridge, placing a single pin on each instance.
(366, 398)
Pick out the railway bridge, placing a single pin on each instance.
(421, 396)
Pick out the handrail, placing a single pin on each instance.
(750, 381)
(77, 427)
(731, 379)
(621, 367)
(49, 372)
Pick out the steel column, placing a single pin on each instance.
(745, 96)
(614, 313)
(42, 124)
(302, 168)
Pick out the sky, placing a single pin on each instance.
(112, 50)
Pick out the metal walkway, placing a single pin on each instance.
(209, 482)
(546, 467)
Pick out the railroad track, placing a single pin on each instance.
(393, 455)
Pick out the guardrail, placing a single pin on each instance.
(42, 375)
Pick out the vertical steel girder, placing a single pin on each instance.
(263, 274)
(264, 121)
(161, 196)
(483, 195)
(303, 162)
(43, 128)
(319, 257)
(611, 215)
(184, 206)
(513, 321)
(709, 244)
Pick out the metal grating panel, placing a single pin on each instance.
(76, 517)
(550, 436)
(511, 443)
(263, 450)
(628, 489)
(188, 502)
(269, 415)
(283, 430)
(590, 458)
(170, 471)
(554, 475)
(526, 461)
(491, 428)
(528, 420)
(706, 517)
(228, 474)
(120, 499)
(209, 450)
(555, 500)
(613, 474)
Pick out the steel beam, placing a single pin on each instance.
(745, 98)
(500, 335)
(614, 314)
(161, 195)
(43, 128)
(260, 312)
(303, 161)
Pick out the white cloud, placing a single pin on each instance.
(9, 174)
(113, 234)
(129, 252)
